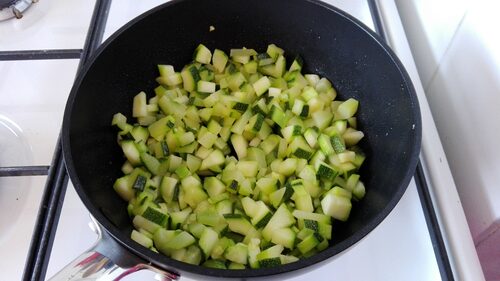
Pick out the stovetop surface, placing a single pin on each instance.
(33, 94)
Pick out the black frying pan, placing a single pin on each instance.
(332, 43)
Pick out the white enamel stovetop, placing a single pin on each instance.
(32, 99)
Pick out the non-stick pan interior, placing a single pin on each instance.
(331, 44)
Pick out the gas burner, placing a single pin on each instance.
(14, 8)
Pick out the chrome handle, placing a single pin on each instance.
(107, 261)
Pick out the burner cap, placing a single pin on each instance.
(13, 8)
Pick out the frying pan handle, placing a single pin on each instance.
(107, 261)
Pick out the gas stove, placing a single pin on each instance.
(44, 223)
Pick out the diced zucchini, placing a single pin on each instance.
(222, 244)
(150, 162)
(240, 145)
(131, 152)
(193, 192)
(206, 73)
(205, 87)
(278, 116)
(193, 163)
(240, 106)
(161, 239)
(240, 124)
(359, 190)
(288, 259)
(258, 211)
(170, 80)
(249, 206)
(311, 224)
(140, 134)
(346, 156)
(224, 207)
(352, 181)
(309, 243)
(139, 108)
(253, 251)
(193, 255)
(284, 236)
(219, 264)
(325, 144)
(336, 206)
(158, 129)
(338, 144)
(312, 79)
(302, 198)
(181, 240)
(311, 136)
(270, 262)
(236, 80)
(322, 119)
(123, 187)
(275, 198)
(213, 186)
(120, 121)
(267, 185)
(261, 86)
(304, 233)
(236, 158)
(270, 143)
(248, 168)
(323, 85)
(238, 224)
(190, 78)
(219, 60)
(348, 108)
(214, 159)
(141, 223)
(255, 123)
(352, 137)
(209, 217)
(282, 218)
(165, 70)
(168, 189)
(237, 253)
(251, 67)
(178, 218)
(275, 70)
(274, 51)
(235, 265)
(326, 171)
(202, 54)
(309, 93)
(141, 239)
(206, 138)
(311, 216)
(296, 64)
(156, 216)
(287, 167)
(271, 252)
(208, 239)
(274, 92)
